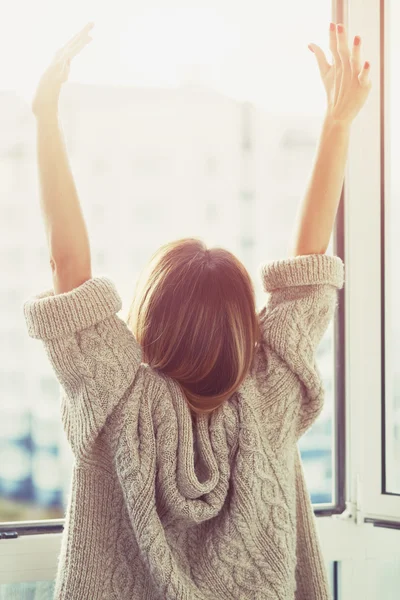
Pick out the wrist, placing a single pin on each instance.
(45, 106)
(330, 122)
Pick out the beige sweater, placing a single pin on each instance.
(161, 508)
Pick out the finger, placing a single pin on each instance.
(86, 29)
(77, 47)
(69, 47)
(356, 56)
(344, 53)
(363, 77)
(342, 46)
(333, 44)
(323, 64)
(82, 38)
(71, 51)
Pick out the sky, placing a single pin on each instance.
(252, 50)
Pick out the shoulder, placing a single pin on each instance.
(150, 389)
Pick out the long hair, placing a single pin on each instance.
(194, 316)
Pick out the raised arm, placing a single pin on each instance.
(64, 223)
(347, 86)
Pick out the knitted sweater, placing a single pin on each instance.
(165, 508)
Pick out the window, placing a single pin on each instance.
(298, 137)
(48, 387)
(10, 213)
(147, 165)
(246, 199)
(8, 297)
(42, 589)
(42, 257)
(97, 214)
(376, 402)
(99, 259)
(211, 211)
(17, 151)
(11, 341)
(247, 242)
(247, 196)
(100, 165)
(211, 165)
(249, 212)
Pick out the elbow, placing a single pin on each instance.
(58, 264)
(76, 267)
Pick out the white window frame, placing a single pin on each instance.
(363, 279)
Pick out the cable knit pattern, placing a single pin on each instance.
(163, 507)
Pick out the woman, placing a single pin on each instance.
(184, 421)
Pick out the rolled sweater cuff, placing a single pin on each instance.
(302, 270)
(52, 316)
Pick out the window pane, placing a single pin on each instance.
(34, 590)
(225, 156)
(392, 252)
(44, 590)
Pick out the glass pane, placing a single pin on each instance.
(392, 252)
(44, 590)
(317, 445)
(34, 590)
(215, 141)
(382, 578)
(374, 578)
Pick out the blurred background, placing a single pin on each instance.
(180, 120)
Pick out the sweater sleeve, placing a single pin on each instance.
(302, 302)
(94, 355)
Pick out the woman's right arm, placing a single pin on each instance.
(347, 87)
(303, 290)
(317, 213)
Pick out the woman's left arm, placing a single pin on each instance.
(65, 227)
(66, 232)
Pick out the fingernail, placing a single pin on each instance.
(357, 40)
(332, 26)
(366, 65)
(340, 28)
(311, 49)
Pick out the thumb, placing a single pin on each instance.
(323, 64)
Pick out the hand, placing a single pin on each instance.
(346, 83)
(48, 90)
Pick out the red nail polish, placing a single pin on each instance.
(357, 40)
(340, 28)
(332, 26)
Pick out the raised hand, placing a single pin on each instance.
(346, 82)
(48, 90)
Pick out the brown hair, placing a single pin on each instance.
(194, 316)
